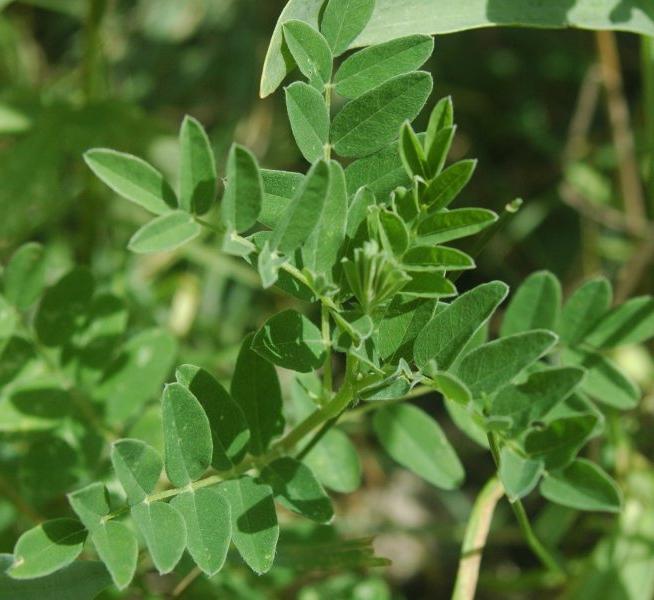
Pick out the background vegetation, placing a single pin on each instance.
(556, 117)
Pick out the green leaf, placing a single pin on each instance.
(136, 375)
(604, 380)
(279, 187)
(428, 285)
(91, 504)
(164, 531)
(297, 488)
(187, 435)
(584, 309)
(535, 305)
(309, 119)
(291, 341)
(629, 323)
(165, 233)
(381, 172)
(47, 548)
(259, 397)
(533, 400)
(229, 430)
(62, 306)
(373, 120)
(80, 580)
(454, 224)
(411, 152)
(445, 336)
(254, 522)
(207, 516)
(304, 211)
(400, 326)
(357, 212)
(197, 173)
(558, 443)
(241, 202)
(118, 549)
(8, 319)
(392, 19)
(466, 421)
(321, 250)
(373, 66)
(24, 276)
(440, 119)
(584, 486)
(442, 190)
(311, 52)
(431, 258)
(417, 442)
(452, 388)
(519, 475)
(138, 467)
(343, 21)
(439, 149)
(489, 367)
(393, 233)
(133, 179)
(335, 462)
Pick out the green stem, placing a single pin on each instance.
(647, 69)
(474, 539)
(92, 67)
(327, 342)
(543, 554)
(328, 104)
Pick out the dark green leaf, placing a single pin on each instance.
(372, 66)
(584, 309)
(132, 178)
(411, 153)
(309, 119)
(442, 190)
(454, 224)
(138, 467)
(417, 442)
(535, 305)
(24, 275)
(584, 486)
(187, 435)
(118, 549)
(373, 120)
(259, 397)
(241, 202)
(519, 475)
(394, 234)
(208, 526)
(357, 212)
(439, 149)
(91, 504)
(198, 176)
(629, 323)
(380, 172)
(165, 233)
(297, 488)
(431, 258)
(425, 284)
(400, 326)
(343, 21)
(441, 118)
(310, 51)
(254, 522)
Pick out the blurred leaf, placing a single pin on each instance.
(241, 202)
(165, 233)
(629, 323)
(24, 276)
(431, 258)
(335, 462)
(198, 176)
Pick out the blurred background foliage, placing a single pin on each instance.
(542, 110)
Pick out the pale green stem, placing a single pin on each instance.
(327, 342)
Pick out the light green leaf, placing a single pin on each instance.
(465, 419)
(343, 21)
(91, 504)
(187, 435)
(304, 211)
(321, 250)
(455, 224)
(165, 233)
(138, 467)
(207, 516)
(584, 486)
(443, 338)
(442, 190)
(492, 365)
(604, 380)
(291, 341)
(259, 397)
(47, 548)
(164, 531)
(297, 488)
(411, 153)
(535, 305)
(229, 430)
(439, 149)
(393, 233)
(136, 375)
(279, 187)
(357, 212)
(629, 323)
(381, 172)
(309, 119)
(197, 173)
(118, 549)
(400, 326)
(241, 202)
(373, 120)
(432, 258)
(133, 179)
(63, 305)
(254, 522)
(425, 284)
(417, 442)
(519, 475)
(452, 388)
(8, 319)
(373, 66)
(440, 119)
(310, 51)
(335, 462)
(584, 309)
(24, 276)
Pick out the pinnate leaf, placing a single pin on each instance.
(165, 233)
(344, 20)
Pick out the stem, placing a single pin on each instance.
(328, 103)
(327, 342)
(647, 69)
(475, 539)
(532, 540)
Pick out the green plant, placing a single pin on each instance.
(375, 247)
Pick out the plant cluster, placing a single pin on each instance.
(378, 248)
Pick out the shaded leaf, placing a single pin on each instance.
(279, 187)
(519, 475)
(24, 276)
(198, 175)
(138, 468)
(629, 323)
